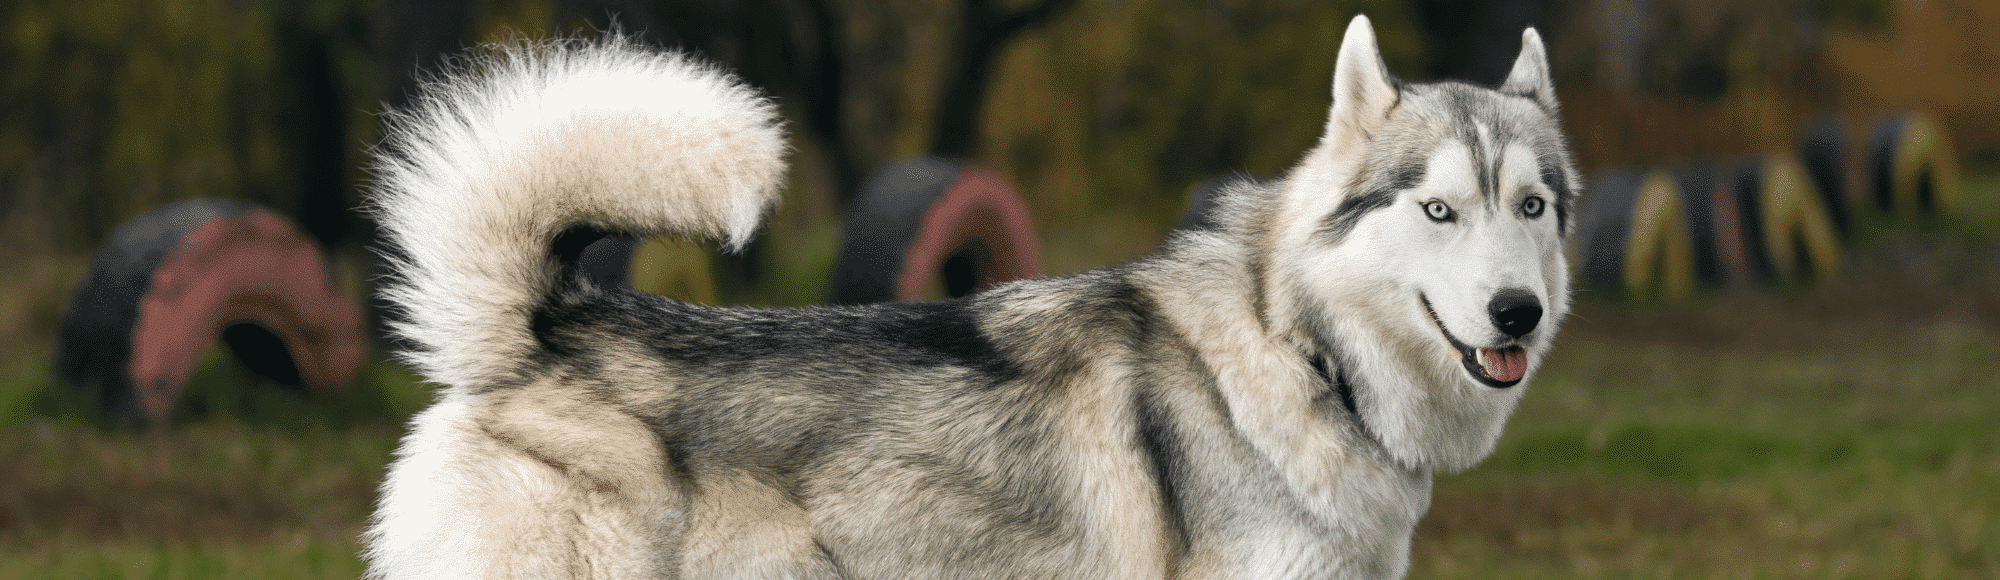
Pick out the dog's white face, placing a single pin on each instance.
(1424, 248)
(1485, 264)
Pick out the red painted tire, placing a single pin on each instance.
(172, 281)
(928, 221)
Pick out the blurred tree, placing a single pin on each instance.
(420, 33)
(792, 48)
(314, 115)
(1477, 40)
(118, 107)
(984, 30)
(801, 51)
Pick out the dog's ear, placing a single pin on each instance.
(1363, 89)
(1531, 77)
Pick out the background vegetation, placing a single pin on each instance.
(1841, 430)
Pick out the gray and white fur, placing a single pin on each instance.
(1265, 399)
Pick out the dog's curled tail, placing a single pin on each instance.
(515, 144)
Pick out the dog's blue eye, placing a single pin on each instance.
(1438, 211)
(1532, 206)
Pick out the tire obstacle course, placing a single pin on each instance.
(171, 282)
(1912, 169)
(186, 275)
(1774, 219)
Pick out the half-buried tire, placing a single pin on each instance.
(674, 268)
(1828, 159)
(1711, 224)
(1787, 232)
(1911, 166)
(932, 228)
(172, 281)
(1633, 237)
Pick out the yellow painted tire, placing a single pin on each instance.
(1789, 233)
(1912, 167)
(1633, 236)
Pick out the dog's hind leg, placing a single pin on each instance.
(743, 526)
(527, 487)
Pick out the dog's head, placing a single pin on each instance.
(1419, 246)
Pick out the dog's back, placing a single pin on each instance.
(588, 431)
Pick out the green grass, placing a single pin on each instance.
(211, 499)
(278, 558)
(1844, 430)
(250, 481)
(1843, 451)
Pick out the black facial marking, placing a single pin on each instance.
(1485, 163)
(1484, 167)
(1557, 181)
(1407, 175)
(1380, 189)
(1350, 211)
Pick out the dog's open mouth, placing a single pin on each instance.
(1498, 368)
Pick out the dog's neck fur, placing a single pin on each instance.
(1331, 485)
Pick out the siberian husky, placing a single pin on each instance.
(1268, 398)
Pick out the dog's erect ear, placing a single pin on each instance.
(1363, 90)
(1531, 76)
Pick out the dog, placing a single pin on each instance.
(1266, 398)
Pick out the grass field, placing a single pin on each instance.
(1845, 430)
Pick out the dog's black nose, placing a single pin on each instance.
(1515, 312)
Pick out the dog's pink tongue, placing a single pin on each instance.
(1504, 365)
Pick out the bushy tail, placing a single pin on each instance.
(517, 143)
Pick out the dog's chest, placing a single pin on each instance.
(1362, 530)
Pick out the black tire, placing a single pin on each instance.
(94, 338)
(1605, 220)
(1633, 238)
(1911, 165)
(608, 261)
(1788, 233)
(1716, 249)
(1827, 157)
(664, 266)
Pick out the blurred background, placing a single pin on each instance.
(1711, 412)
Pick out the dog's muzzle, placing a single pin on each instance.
(1496, 367)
